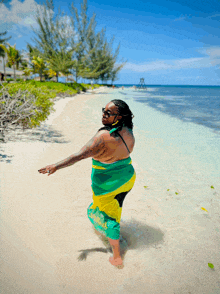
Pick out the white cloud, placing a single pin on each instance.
(29, 20)
(18, 14)
(21, 17)
(211, 60)
(169, 64)
(214, 55)
(213, 52)
(66, 21)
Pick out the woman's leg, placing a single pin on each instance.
(97, 233)
(104, 239)
(116, 259)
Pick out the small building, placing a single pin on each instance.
(9, 73)
(70, 79)
(53, 79)
(38, 78)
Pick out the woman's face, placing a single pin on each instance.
(110, 114)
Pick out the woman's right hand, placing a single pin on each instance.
(49, 169)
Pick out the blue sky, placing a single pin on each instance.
(165, 42)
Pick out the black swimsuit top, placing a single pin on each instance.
(111, 130)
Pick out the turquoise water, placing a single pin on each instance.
(198, 104)
(182, 122)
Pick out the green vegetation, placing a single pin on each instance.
(70, 45)
(2, 51)
(211, 265)
(13, 55)
(48, 89)
(27, 104)
(64, 45)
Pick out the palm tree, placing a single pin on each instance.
(39, 66)
(30, 53)
(2, 51)
(27, 72)
(13, 55)
(2, 54)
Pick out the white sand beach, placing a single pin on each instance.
(48, 245)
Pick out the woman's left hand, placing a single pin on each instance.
(49, 169)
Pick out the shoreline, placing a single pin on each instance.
(45, 226)
(39, 135)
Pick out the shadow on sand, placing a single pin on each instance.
(5, 158)
(134, 235)
(45, 134)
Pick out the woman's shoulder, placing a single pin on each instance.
(127, 130)
(104, 134)
(105, 128)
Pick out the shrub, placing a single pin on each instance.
(27, 103)
(9, 80)
(22, 108)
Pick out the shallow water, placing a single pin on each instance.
(179, 121)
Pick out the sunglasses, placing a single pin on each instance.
(107, 113)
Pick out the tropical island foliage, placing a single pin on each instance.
(26, 104)
(64, 45)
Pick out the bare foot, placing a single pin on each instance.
(118, 262)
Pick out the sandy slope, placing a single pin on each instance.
(44, 223)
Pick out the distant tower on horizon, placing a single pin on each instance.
(141, 84)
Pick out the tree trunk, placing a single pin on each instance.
(57, 75)
(76, 75)
(4, 67)
(14, 72)
(40, 72)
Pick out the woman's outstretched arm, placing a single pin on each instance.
(94, 147)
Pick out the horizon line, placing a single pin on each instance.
(176, 85)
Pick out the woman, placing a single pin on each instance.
(113, 175)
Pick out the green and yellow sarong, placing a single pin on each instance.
(110, 185)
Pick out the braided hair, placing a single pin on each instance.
(125, 112)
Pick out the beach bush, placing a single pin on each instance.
(48, 89)
(89, 86)
(37, 96)
(56, 89)
(10, 80)
(24, 108)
